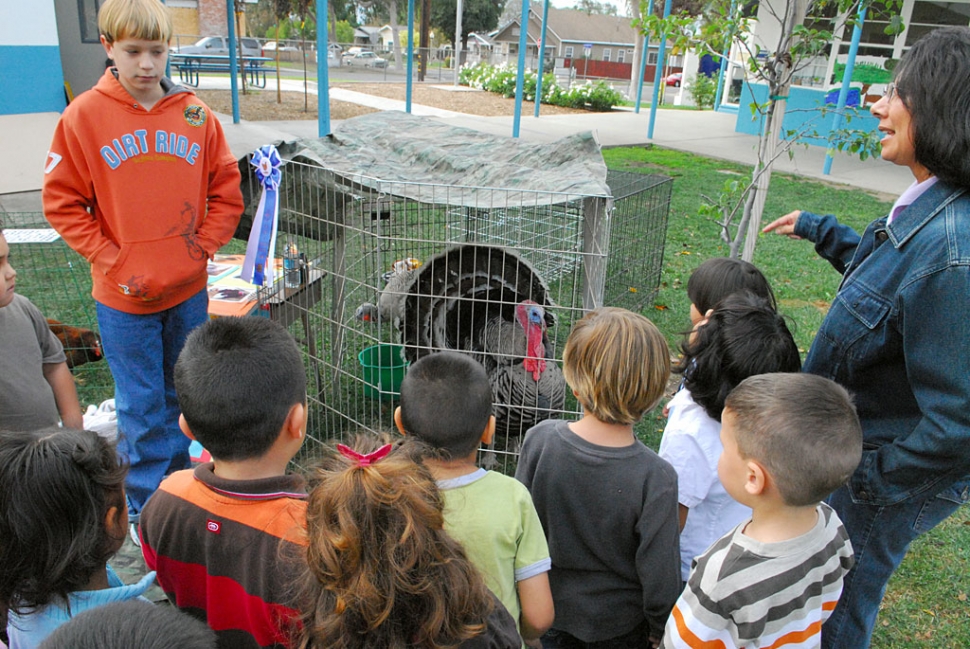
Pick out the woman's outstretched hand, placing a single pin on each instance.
(784, 226)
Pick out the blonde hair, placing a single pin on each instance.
(618, 364)
(381, 570)
(143, 19)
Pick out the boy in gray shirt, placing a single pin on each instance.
(36, 386)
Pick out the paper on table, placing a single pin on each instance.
(31, 235)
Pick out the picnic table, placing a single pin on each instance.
(190, 66)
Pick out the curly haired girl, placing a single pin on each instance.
(381, 571)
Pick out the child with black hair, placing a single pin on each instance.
(743, 336)
(446, 403)
(132, 625)
(62, 516)
(717, 278)
(381, 571)
(219, 535)
(714, 280)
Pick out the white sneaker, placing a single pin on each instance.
(133, 533)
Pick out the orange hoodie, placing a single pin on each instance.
(146, 196)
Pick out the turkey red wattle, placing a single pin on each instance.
(532, 318)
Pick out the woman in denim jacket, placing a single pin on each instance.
(898, 333)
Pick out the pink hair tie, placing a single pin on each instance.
(364, 459)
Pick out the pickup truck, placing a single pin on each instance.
(219, 45)
(365, 59)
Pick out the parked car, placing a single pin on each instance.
(365, 59)
(269, 48)
(219, 46)
(675, 79)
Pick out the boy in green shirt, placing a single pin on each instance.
(446, 402)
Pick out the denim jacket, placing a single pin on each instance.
(897, 336)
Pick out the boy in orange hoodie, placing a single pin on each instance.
(140, 181)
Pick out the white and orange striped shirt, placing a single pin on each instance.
(746, 594)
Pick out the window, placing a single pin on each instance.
(88, 17)
(652, 58)
(606, 54)
(621, 56)
(927, 16)
(875, 40)
(568, 52)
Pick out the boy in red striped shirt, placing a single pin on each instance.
(224, 538)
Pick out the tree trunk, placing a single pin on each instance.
(635, 80)
(424, 41)
(332, 26)
(242, 64)
(395, 37)
(279, 93)
(779, 83)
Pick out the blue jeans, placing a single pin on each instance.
(880, 538)
(141, 351)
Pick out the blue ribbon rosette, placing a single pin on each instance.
(258, 266)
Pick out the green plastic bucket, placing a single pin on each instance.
(383, 368)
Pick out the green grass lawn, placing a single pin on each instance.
(926, 604)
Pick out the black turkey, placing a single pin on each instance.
(490, 303)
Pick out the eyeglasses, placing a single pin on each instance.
(891, 91)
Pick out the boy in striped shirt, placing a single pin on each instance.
(226, 539)
(789, 441)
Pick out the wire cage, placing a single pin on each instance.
(58, 281)
(389, 278)
(366, 246)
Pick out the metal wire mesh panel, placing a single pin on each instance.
(390, 279)
(637, 239)
(58, 281)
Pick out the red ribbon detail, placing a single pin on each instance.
(364, 459)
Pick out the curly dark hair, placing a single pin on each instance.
(381, 570)
(56, 486)
(744, 336)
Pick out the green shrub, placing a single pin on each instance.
(598, 96)
(703, 90)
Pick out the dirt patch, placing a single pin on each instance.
(470, 102)
(261, 105)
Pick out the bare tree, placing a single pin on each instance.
(794, 49)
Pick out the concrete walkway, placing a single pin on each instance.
(702, 132)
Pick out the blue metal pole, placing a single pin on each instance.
(846, 78)
(410, 82)
(658, 74)
(542, 53)
(323, 70)
(643, 63)
(168, 60)
(724, 60)
(233, 64)
(519, 77)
